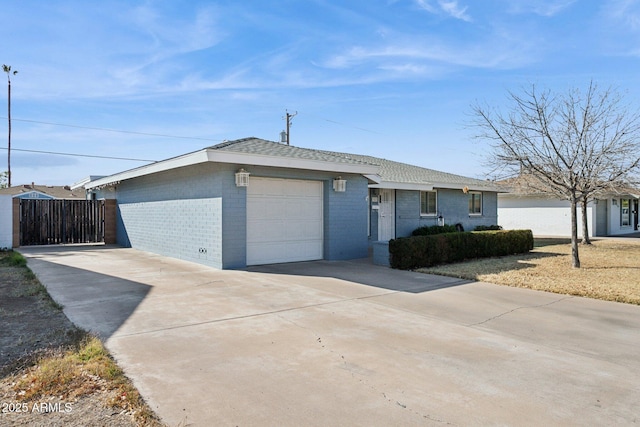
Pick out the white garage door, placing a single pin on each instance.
(284, 220)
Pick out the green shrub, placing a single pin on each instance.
(487, 228)
(425, 251)
(430, 230)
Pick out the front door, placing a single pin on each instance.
(386, 212)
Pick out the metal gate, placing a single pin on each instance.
(52, 222)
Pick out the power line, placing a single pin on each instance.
(114, 130)
(172, 136)
(79, 155)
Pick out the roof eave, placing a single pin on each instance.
(402, 186)
(210, 155)
(290, 162)
(426, 186)
(161, 166)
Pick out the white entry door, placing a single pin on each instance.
(284, 220)
(386, 215)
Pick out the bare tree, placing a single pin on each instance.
(584, 204)
(571, 146)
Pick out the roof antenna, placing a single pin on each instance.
(285, 135)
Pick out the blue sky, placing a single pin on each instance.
(389, 78)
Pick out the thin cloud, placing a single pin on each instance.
(490, 54)
(446, 7)
(542, 8)
(624, 12)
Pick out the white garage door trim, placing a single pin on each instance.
(284, 220)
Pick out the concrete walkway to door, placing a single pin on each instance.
(347, 343)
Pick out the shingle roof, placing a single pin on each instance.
(269, 148)
(57, 192)
(383, 172)
(525, 185)
(390, 171)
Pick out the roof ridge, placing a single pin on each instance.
(347, 156)
(227, 143)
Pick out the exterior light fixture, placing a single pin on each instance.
(339, 185)
(242, 178)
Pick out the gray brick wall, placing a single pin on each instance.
(189, 229)
(154, 213)
(453, 205)
(455, 209)
(345, 219)
(177, 213)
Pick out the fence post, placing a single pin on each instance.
(16, 222)
(110, 214)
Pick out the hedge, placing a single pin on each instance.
(408, 253)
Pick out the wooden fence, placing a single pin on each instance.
(51, 222)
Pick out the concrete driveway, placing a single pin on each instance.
(347, 343)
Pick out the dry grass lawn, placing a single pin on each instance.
(46, 362)
(610, 269)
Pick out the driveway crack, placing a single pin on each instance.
(519, 308)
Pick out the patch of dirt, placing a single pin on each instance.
(33, 326)
(87, 410)
(31, 323)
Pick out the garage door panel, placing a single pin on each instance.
(284, 220)
(303, 210)
(302, 189)
(272, 253)
(264, 231)
(303, 230)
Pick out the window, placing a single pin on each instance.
(428, 203)
(625, 217)
(475, 203)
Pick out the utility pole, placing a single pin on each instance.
(7, 69)
(288, 119)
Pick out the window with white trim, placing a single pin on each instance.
(475, 203)
(428, 203)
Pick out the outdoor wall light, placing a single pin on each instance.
(242, 178)
(339, 185)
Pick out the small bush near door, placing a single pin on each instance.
(487, 228)
(430, 230)
(425, 251)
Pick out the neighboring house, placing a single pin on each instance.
(609, 215)
(33, 192)
(47, 192)
(251, 201)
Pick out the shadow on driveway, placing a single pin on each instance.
(362, 271)
(95, 301)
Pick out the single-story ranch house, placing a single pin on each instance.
(252, 201)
